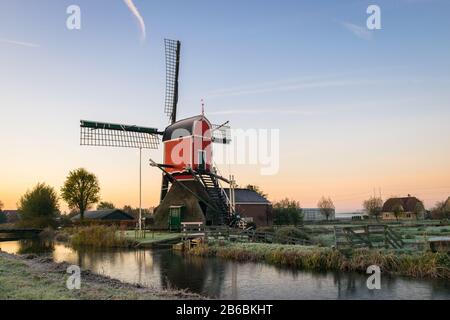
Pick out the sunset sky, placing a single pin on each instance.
(357, 110)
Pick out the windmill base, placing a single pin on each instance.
(194, 209)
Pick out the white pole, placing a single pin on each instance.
(140, 189)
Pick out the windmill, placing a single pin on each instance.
(189, 177)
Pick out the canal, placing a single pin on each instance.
(224, 279)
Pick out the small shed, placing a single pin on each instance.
(105, 215)
(252, 206)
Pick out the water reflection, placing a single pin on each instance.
(226, 279)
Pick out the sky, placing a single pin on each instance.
(358, 111)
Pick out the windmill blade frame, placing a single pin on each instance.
(172, 48)
(221, 133)
(102, 134)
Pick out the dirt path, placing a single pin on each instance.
(33, 277)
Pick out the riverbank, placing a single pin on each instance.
(31, 277)
(412, 264)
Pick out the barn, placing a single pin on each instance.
(252, 206)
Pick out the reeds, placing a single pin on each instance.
(419, 265)
(98, 236)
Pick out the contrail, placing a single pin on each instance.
(20, 43)
(138, 17)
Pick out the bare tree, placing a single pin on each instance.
(419, 210)
(257, 189)
(326, 207)
(373, 207)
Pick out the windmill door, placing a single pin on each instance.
(202, 160)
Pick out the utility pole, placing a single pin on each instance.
(140, 189)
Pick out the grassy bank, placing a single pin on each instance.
(39, 278)
(419, 265)
(152, 238)
(111, 237)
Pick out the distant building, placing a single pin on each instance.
(353, 216)
(314, 214)
(105, 215)
(11, 215)
(252, 206)
(407, 206)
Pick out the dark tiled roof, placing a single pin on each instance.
(182, 128)
(247, 196)
(408, 204)
(105, 215)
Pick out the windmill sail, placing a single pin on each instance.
(221, 133)
(170, 108)
(117, 135)
(172, 72)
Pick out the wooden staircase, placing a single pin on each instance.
(217, 196)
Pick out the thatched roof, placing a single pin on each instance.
(408, 204)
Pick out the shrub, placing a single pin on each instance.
(291, 232)
(47, 234)
(39, 207)
(266, 229)
(98, 236)
(3, 218)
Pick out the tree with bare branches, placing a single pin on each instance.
(326, 207)
(373, 207)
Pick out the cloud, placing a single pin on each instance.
(138, 17)
(360, 32)
(20, 43)
(291, 111)
(284, 86)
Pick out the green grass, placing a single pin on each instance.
(20, 280)
(420, 265)
(17, 282)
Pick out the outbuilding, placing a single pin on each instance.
(108, 215)
(252, 206)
